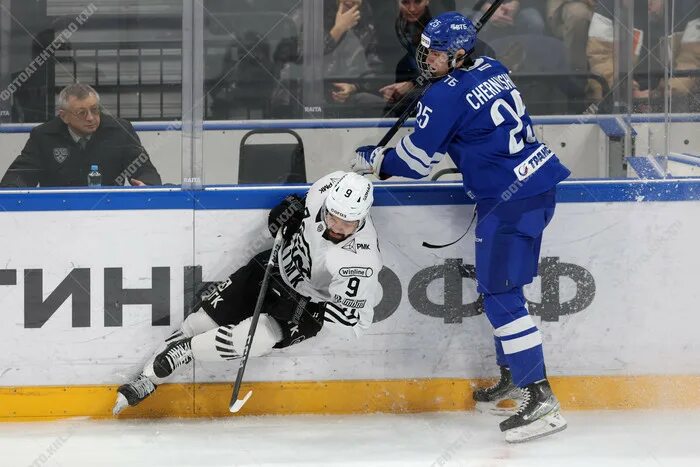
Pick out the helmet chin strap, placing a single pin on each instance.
(452, 59)
(457, 57)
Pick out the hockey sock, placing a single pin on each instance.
(227, 342)
(500, 356)
(517, 334)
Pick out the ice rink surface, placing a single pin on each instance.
(639, 438)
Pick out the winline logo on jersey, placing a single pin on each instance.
(41, 305)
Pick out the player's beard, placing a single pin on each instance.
(333, 237)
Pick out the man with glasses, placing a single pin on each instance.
(61, 152)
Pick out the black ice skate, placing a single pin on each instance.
(489, 399)
(130, 394)
(175, 355)
(537, 416)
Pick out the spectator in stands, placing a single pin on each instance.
(389, 49)
(569, 20)
(60, 152)
(413, 16)
(246, 83)
(513, 17)
(351, 62)
(647, 46)
(353, 57)
(686, 47)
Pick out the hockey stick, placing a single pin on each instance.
(421, 91)
(487, 14)
(437, 247)
(236, 404)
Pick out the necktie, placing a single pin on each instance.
(83, 142)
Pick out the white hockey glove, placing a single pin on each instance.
(368, 159)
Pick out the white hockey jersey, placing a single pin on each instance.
(344, 275)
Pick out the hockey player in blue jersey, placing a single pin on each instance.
(474, 113)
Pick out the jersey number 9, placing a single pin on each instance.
(353, 286)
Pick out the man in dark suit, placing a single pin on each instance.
(60, 152)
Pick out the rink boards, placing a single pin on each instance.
(92, 280)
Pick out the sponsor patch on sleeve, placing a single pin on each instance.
(533, 163)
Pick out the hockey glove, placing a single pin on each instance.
(305, 323)
(281, 301)
(288, 216)
(368, 159)
(298, 317)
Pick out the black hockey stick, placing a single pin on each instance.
(436, 247)
(487, 14)
(426, 82)
(236, 404)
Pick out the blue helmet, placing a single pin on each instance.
(448, 33)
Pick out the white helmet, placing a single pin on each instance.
(350, 198)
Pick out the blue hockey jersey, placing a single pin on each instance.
(477, 116)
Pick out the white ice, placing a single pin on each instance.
(640, 438)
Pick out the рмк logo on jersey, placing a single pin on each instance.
(352, 246)
(328, 185)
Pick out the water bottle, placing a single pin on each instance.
(94, 178)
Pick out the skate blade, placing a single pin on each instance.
(504, 408)
(120, 405)
(551, 423)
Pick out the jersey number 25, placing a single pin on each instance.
(423, 115)
(515, 144)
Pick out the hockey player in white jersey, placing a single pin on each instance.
(327, 270)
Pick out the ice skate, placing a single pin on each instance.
(537, 416)
(501, 399)
(130, 394)
(175, 355)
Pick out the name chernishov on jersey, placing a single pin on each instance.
(489, 89)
